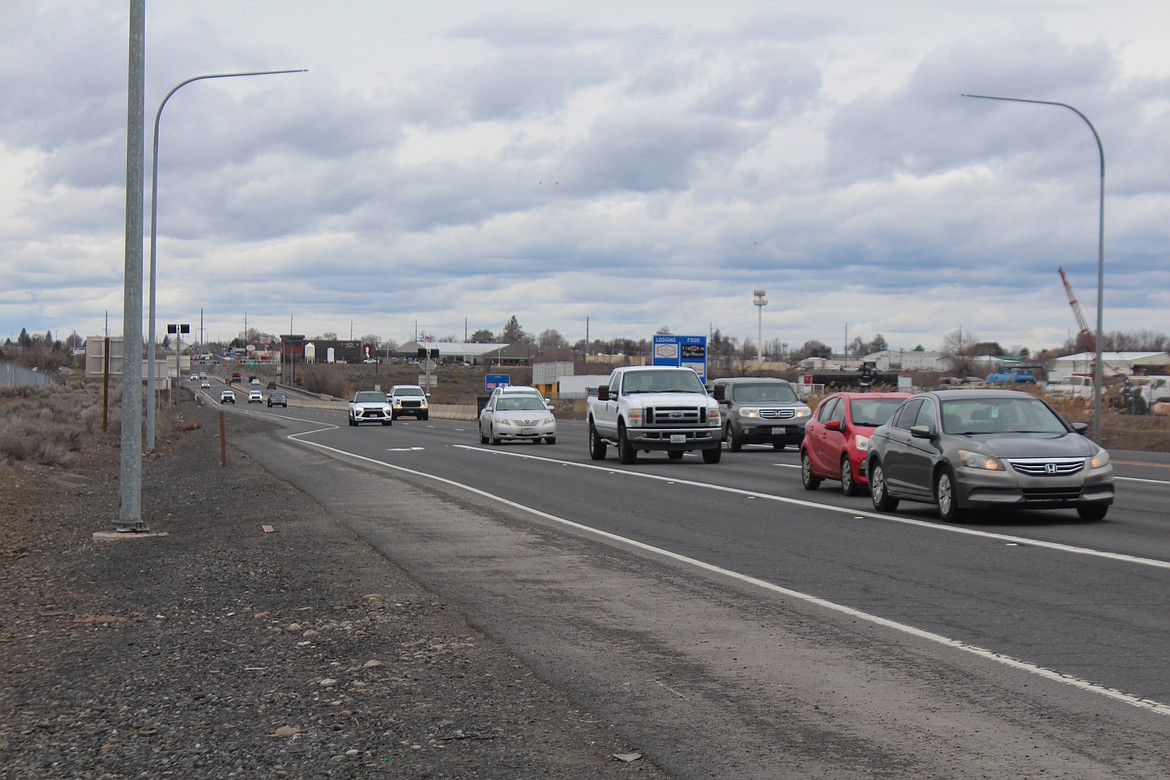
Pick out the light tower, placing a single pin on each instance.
(760, 302)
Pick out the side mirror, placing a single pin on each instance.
(603, 393)
(720, 393)
(922, 432)
(550, 407)
(833, 425)
(1080, 427)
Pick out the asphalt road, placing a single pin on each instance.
(735, 623)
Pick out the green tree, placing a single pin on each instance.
(24, 340)
(482, 336)
(879, 343)
(513, 333)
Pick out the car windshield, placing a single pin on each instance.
(370, 397)
(662, 382)
(520, 403)
(760, 394)
(872, 412)
(409, 391)
(999, 415)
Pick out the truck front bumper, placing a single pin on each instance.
(675, 439)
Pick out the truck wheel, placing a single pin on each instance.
(733, 442)
(426, 415)
(626, 453)
(712, 455)
(597, 446)
(807, 478)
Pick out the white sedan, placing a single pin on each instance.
(516, 417)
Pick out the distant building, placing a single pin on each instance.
(1115, 363)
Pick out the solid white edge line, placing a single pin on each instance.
(1021, 540)
(1006, 660)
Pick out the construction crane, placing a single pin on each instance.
(1086, 334)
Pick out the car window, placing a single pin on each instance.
(872, 412)
(927, 415)
(839, 411)
(763, 393)
(826, 412)
(408, 391)
(370, 397)
(908, 414)
(1001, 415)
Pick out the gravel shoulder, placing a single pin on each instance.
(212, 647)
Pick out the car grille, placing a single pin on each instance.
(777, 414)
(411, 404)
(666, 416)
(1052, 494)
(1048, 467)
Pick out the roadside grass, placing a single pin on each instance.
(51, 424)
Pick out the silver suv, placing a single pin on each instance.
(760, 410)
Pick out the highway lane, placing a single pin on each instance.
(991, 584)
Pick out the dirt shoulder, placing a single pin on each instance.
(215, 646)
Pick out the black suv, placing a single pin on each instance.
(760, 410)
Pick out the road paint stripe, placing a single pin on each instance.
(930, 636)
(851, 511)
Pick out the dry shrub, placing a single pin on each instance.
(326, 379)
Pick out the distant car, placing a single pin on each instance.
(254, 381)
(255, 397)
(512, 416)
(194, 377)
(227, 397)
(278, 399)
(272, 385)
(204, 384)
(760, 410)
(987, 449)
(408, 400)
(370, 406)
(836, 439)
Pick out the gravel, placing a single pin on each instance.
(248, 634)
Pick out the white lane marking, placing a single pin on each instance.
(403, 449)
(930, 636)
(844, 510)
(1147, 481)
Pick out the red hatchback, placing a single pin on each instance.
(836, 439)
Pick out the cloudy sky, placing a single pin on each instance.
(632, 165)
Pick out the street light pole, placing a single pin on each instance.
(760, 302)
(1099, 378)
(153, 234)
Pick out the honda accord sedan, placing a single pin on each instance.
(990, 450)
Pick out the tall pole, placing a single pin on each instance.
(154, 232)
(760, 302)
(130, 466)
(1099, 377)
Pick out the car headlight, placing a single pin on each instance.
(547, 421)
(749, 411)
(504, 422)
(977, 460)
(1100, 460)
(803, 411)
(861, 442)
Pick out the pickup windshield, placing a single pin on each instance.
(662, 382)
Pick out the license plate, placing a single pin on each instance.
(678, 438)
(779, 430)
(527, 432)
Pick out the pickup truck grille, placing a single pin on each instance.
(669, 416)
(411, 404)
(777, 414)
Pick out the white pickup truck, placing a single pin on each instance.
(654, 408)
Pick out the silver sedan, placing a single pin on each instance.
(987, 449)
(508, 417)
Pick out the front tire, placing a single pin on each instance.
(495, 439)
(550, 439)
(712, 455)
(426, 415)
(778, 446)
(734, 443)
(946, 493)
(879, 492)
(674, 454)
(807, 478)
(597, 447)
(627, 455)
(849, 485)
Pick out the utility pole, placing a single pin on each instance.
(760, 302)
